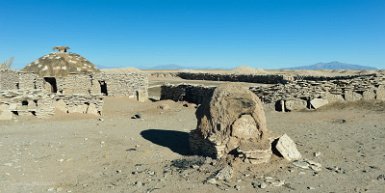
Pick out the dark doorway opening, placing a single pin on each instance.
(103, 88)
(24, 103)
(52, 82)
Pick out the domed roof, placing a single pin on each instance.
(61, 63)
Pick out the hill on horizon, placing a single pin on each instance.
(335, 65)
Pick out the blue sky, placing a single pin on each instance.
(210, 33)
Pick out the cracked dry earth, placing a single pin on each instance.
(79, 153)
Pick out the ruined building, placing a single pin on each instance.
(64, 81)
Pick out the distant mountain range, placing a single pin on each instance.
(333, 66)
(168, 67)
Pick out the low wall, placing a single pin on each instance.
(86, 104)
(25, 102)
(185, 92)
(125, 84)
(263, 79)
(362, 88)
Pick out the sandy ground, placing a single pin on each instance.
(79, 153)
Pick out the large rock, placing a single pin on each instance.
(318, 102)
(295, 104)
(231, 120)
(287, 148)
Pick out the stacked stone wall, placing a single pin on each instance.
(125, 84)
(186, 92)
(263, 79)
(8, 80)
(87, 104)
(25, 102)
(77, 84)
(29, 81)
(362, 88)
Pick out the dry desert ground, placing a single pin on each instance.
(117, 154)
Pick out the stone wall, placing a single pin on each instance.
(87, 104)
(125, 84)
(25, 102)
(263, 79)
(29, 81)
(8, 80)
(350, 90)
(362, 88)
(78, 84)
(186, 92)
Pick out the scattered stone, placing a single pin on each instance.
(225, 173)
(237, 187)
(336, 169)
(308, 164)
(318, 102)
(278, 183)
(136, 116)
(212, 181)
(139, 183)
(310, 188)
(301, 164)
(194, 166)
(263, 185)
(164, 107)
(287, 148)
(381, 177)
(317, 154)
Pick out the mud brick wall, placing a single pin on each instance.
(124, 84)
(263, 79)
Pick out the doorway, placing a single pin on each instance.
(52, 82)
(103, 87)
